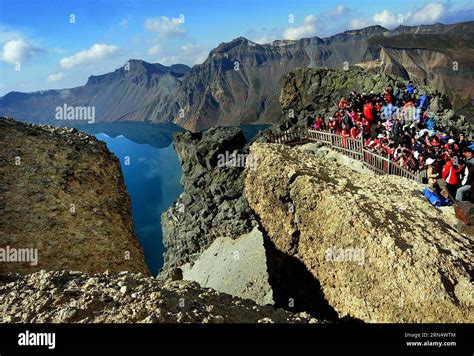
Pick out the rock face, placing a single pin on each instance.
(74, 297)
(136, 91)
(63, 195)
(307, 91)
(377, 250)
(212, 204)
(234, 266)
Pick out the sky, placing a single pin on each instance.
(53, 44)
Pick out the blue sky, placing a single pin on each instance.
(60, 43)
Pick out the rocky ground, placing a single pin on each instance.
(75, 297)
(377, 250)
(63, 195)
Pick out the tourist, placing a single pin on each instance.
(451, 175)
(465, 187)
(432, 175)
(319, 124)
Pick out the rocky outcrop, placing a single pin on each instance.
(212, 204)
(64, 203)
(75, 297)
(371, 245)
(306, 91)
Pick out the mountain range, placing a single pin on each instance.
(240, 81)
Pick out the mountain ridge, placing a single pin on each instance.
(239, 82)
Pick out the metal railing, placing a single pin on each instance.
(351, 147)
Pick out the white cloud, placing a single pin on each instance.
(155, 50)
(19, 50)
(189, 54)
(165, 26)
(55, 77)
(426, 15)
(307, 29)
(96, 53)
(385, 19)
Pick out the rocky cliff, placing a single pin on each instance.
(75, 297)
(212, 204)
(371, 245)
(64, 203)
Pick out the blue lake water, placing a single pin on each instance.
(152, 173)
(152, 177)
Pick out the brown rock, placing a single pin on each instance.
(379, 250)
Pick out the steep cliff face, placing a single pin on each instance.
(212, 204)
(377, 250)
(74, 297)
(137, 91)
(64, 203)
(210, 233)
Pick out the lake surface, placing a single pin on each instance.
(152, 173)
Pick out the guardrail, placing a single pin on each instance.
(351, 147)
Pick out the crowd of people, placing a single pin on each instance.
(398, 124)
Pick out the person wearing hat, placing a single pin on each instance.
(451, 145)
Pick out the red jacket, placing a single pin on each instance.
(450, 174)
(368, 113)
(355, 132)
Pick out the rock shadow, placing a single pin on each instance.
(294, 288)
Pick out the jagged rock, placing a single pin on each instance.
(374, 246)
(63, 195)
(212, 204)
(74, 297)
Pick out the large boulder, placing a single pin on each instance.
(234, 266)
(372, 247)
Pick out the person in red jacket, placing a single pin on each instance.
(319, 124)
(368, 112)
(356, 131)
(332, 125)
(345, 134)
(451, 175)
